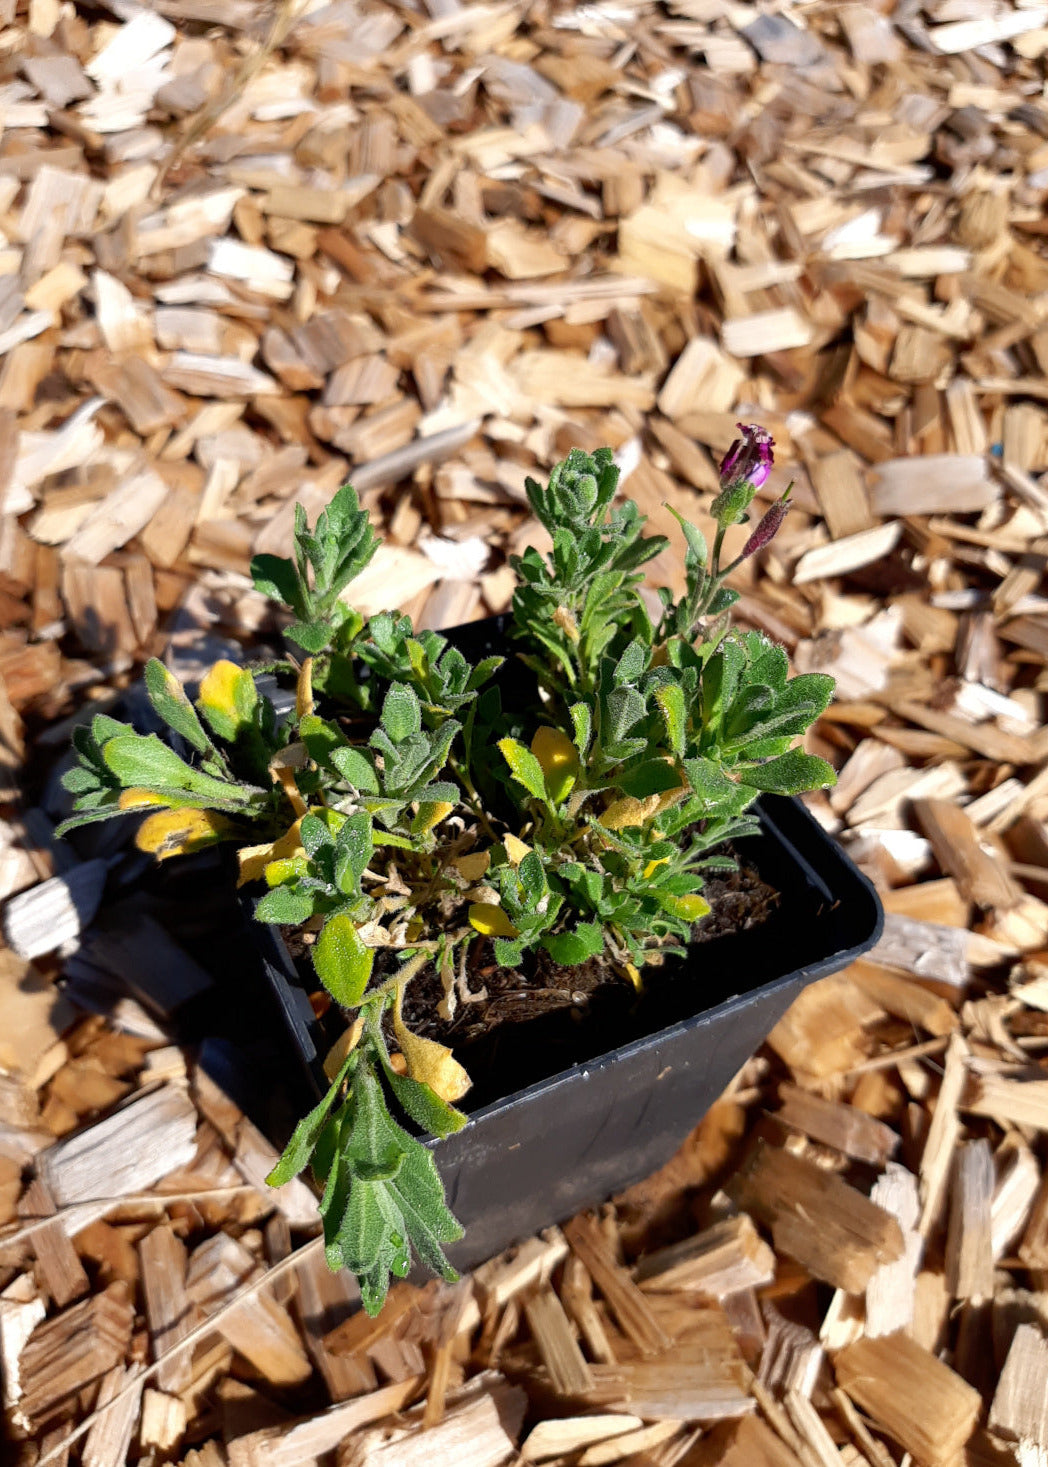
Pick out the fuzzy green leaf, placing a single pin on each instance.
(791, 774)
(401, 713)
(169, 700)
(342, 960)
(299, 1150)
(286, 906)
(524, 767)
(355, 768)
(571, 948)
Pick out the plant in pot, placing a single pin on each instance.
(421, 821)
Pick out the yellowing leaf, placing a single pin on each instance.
(559, 759)
(669, 798)
(180, 832)
(304, 691)
(690, 908)
(342, 1048)
(491, 921)
(287, 868)
(253, 860)
(516, 850)
(653, 866)
(633, 974)
(227, 698)
(430, 1063)
(139, 799)
(629, 811)
(430, 813)
(472, 867)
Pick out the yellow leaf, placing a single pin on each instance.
(180, 832)
(139, 799)
(491, 921)
(516, 850)
(304, 691)
(430, 813)
(653, 866)
(559, 759)
(429, 1062)
(629, 811)
(633, 974)
(669, 798)
(285, 869)
(343, 1048)
(472, 867)
(253, 860)
(690, 907)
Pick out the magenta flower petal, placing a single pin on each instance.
(749, 459)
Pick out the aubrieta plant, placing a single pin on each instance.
(378, 824)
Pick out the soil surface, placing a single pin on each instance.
(569, 1014)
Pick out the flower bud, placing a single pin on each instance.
(732, 503)
(768, 527)
(749, 459)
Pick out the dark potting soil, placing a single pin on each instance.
(522, 1023)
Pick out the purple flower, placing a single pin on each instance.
(768, 526)
(749, 459)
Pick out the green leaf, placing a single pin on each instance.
(508, 952)
(714, 793)
(286, 906)
(314, 834)
(355, 768)
(144, 760)
(524, 767)
(376, 1146)
(652, 777)
(311, 636)
(169, 700)
(696, 540)
(342, 960)
(276, 578)
(670, 698)
(401, 713)
(424, 1106)
(791, 774)
(582, 721)
(532, 877)
(306, 1134)
(571, 948)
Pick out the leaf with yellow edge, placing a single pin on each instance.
(691, 907)
(227, 698)
(253, 860)
(628, 811)
(180, 832)
(491, 921)
(559, 760)
(428, 1062)
(472, 866)
(140, 799)
(516, 850)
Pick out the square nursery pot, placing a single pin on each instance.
(585, 1109)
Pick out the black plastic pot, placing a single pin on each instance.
(569, 1133)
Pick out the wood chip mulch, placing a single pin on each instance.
(249, 251)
